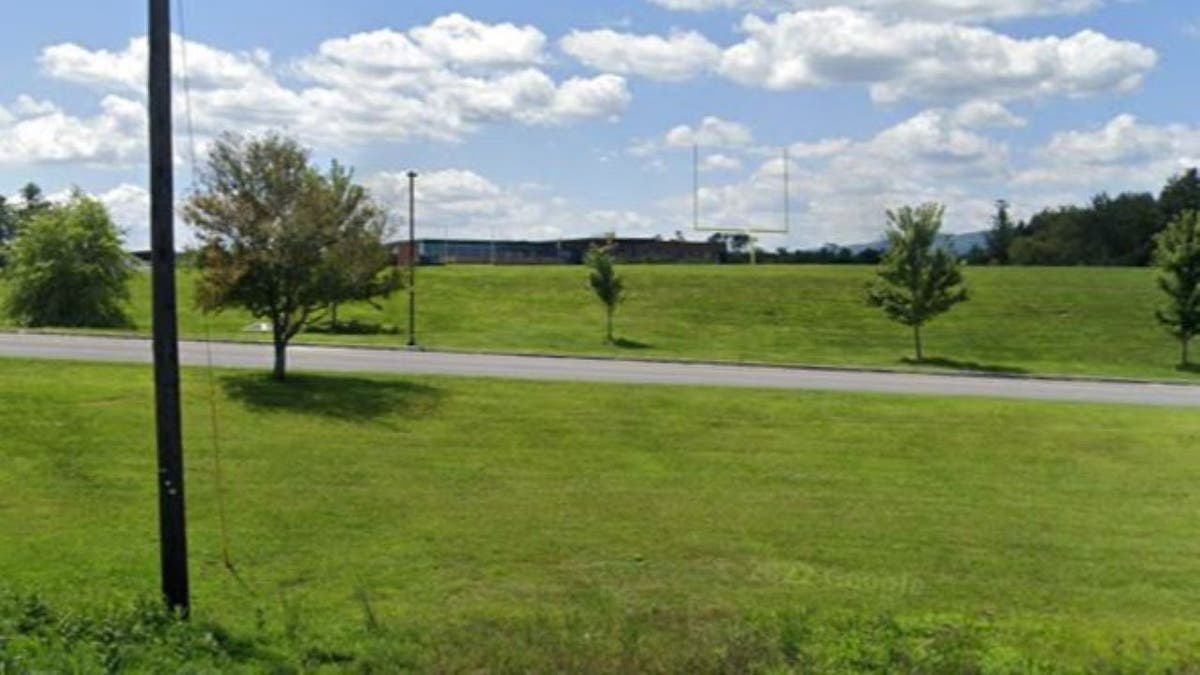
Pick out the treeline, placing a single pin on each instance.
(1114, 231)
(1108, 231)
(737, 251)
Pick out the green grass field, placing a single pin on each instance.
(551, 526)
(1044, 321)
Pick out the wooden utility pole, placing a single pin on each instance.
(172, 522)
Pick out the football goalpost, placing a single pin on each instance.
(752, 232)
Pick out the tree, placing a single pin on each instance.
(1002, 234)
(1182, 193)
(1122, 229)
(361, 268)
(8, 226)
(12, 216)
(609, 287)
(275, 234)
(1110, 231)
(1177, 255)
(33, 202)
(740, 242)
(918, 280)
(67, 268)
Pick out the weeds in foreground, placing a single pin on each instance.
(36, 637)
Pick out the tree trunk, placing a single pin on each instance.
(333, 316)
(917, 342)
(280, 372)
(609, 330)
(1186, 360)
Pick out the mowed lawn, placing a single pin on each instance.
(426, 504)
(1073, 321)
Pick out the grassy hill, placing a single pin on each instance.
(454, 524)
(1072, 321)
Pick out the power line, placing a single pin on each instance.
(213, 410)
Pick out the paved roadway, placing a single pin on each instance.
(229, 355)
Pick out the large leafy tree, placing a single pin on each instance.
(1110, 231)
(608, 286)
(276, 232)
(67, 268)
(917, 279)
(1177, 256)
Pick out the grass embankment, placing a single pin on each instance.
(1076, 321)
(454, 524)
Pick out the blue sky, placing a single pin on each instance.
(556, 119)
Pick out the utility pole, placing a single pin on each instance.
(412, 259)
(172, 521)
(696, 186)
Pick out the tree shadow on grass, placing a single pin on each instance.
(354, 328)
(969, 366)
(1193, 368)
(622, 343)
(349, 399)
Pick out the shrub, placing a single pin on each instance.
(66, 268)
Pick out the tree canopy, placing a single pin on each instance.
(917, 279)
(277, 236)
(8, 226)
(1110, 231)
(1178, 259)
(67, 268)
(1182, 193)
(1001, 236)
(606, 284)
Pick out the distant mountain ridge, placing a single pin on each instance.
(961, 244)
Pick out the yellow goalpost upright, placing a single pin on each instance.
(750, 231)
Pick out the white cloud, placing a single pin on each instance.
(1123, 154)
(712, 132)
(923, 60)
(582, 98)
(461, 203)
(818, 149)
(442, 81)
(680, 56)
(895, 59)
(36, 132)
(719, 162)
(460, 40)
(207, 67)
(954, 10)
(981, 114)
(129, 206)
(840, 188)
(1124, 139)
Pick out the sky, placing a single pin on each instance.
(534, 119)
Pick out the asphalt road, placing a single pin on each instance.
(305, 358)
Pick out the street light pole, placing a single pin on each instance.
(172, 521)
(412, 259)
